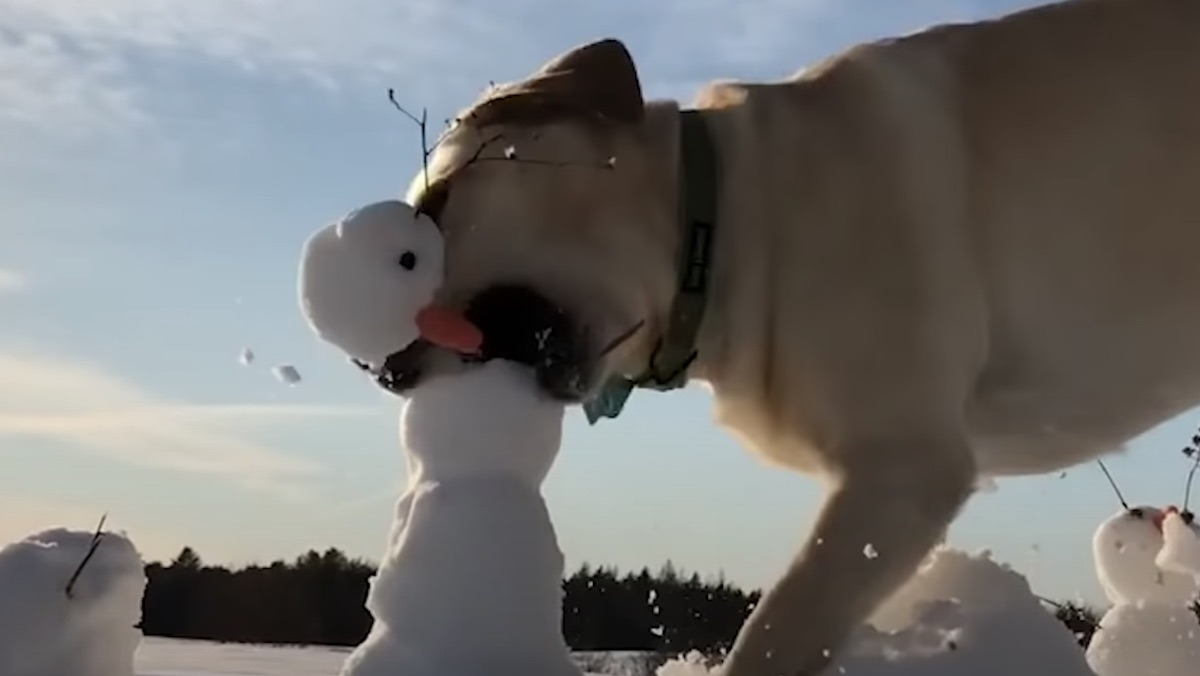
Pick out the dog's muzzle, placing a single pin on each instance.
(521, 325)
(517, 324)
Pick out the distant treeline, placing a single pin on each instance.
(318, 599)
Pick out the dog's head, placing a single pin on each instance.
(556, 199)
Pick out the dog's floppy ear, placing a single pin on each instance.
(598, 78)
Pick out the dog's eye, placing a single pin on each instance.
(408, 260)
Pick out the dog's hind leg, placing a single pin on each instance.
(875, 528)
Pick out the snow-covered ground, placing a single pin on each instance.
(170, 657)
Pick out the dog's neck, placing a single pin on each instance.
(682, 148)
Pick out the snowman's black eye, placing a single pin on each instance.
(408, 260)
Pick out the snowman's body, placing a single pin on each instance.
(1149, 630)
(471, 582)
(472, 579)
(1146, 639)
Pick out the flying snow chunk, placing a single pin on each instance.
(986, 484)
(246, 357)
(92, 633)
(287, 373)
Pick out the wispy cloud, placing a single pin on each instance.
(254, 34)
(94, 411)
(79, 65)
(75, 89)
(11, 281)
(63, 60)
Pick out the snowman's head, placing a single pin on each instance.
(364, 279)
(1125, 547)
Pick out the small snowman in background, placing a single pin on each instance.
(471, 582)
(70, 604)
(1150, 630)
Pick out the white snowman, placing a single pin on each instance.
(471, 581)
(90, 630)
(1150, 629)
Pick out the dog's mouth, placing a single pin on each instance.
(517, 324)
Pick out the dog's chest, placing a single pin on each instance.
(1046, 424)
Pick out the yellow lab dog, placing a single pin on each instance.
(968, 251)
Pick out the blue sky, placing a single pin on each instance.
(164, 160)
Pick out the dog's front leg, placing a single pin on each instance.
(880, 520)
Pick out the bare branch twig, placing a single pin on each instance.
(622, 337)
(96, 538)
(422, 124)
(1113, 482)
(1050, 602)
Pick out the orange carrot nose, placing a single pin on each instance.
(449, 329)
(1162, 516)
